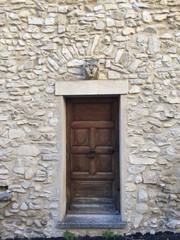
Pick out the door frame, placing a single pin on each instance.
(61, 137)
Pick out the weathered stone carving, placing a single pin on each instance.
(91, 69)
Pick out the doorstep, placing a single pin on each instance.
(100, 221)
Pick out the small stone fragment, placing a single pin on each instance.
(127, 31)
(137, 220)
(35, 20)
(150, 177)
(61, 28)
(28, 150)
(141, 208)
(114, 75)
(23, 206)
(154, 45)
(142, 195)
(146, 16)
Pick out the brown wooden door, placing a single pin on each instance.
(92, 155)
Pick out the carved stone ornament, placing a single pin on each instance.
(91, 69)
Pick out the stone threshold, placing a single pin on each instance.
(86, 221)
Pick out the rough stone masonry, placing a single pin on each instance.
(42, 42)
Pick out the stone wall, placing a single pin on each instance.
(42, 42)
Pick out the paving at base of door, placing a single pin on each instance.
(92, 221)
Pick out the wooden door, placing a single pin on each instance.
(92, 155)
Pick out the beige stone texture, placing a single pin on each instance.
(43, 48)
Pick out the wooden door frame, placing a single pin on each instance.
(61, 170)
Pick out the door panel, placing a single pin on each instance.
(92, 152)
(92, 112)
(91, 189)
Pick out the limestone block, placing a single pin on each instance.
(150, 177)
(15, 205)
(110, 6)
(110, 22)
(29, 174)
(130, 187)
(49, 29)
(33, 20)
(13, 16)
(40, 175)
(61, 28)
(3, 1)
(155, 122)
(138, 179)
(119, 55)
(66, 53)
(18, 1)
(154, 222)
(134, 65)
(164, 2)
(155, 210)
(100, 25)
(169, 188)
(173, 224)
(29, 222)
(136, 169)
(26, 184)
(4, 171)
(18, 170)
(28, 150)
(142, 195)
(23, 206)
(146, 16)
(137, 220)
(24, 13)
(50, 89)
(49, 21)
(160, 17)
(3, 117)
(173, 99)
(62, 9)
(98, 7)
(154, 45)
(127, 31)
(37, 223)
(141, 161)
(53, 63)
(16, 133)
(135, 89)
(117, 15)
(141, 208)
(114, 75)
(75, 63)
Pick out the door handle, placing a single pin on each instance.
(91, 154)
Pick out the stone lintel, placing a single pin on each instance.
(91, 87)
